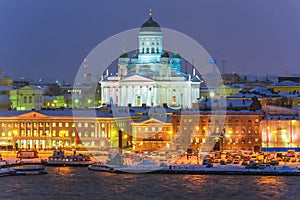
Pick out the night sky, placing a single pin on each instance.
(47, 38)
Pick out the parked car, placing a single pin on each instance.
(222, 162)
(236, 161)
(209, 165)
(274, 162)
(206, 161)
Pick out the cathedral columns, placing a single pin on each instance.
(132, 96)
(147, 90)
(126, 102)
(141, 98)
(154, 96)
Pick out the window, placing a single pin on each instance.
(54, 133)
(30, 99)
(60, 124)
(86, 134)
(25, 99)
(79, 124)
(53, 124)
(67, 124)
(152, 50)
(86, 125)
(147, 50)
(146, 128)
(153, 128)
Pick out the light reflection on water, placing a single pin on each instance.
(80, 183)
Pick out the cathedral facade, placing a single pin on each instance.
(150, 77)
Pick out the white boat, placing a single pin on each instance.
(101, 167)
(29, 170)
(59, 159)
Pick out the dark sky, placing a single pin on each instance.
(46, 38)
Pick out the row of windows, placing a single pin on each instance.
(226, 140)
(147, 50)
(54, 133)
(153, 129)
(218, 121)
(153, 43)
(47, 124)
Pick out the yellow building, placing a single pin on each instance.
(50, 129)
(152, 135)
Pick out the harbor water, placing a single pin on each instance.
(80, 183)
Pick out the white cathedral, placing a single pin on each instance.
(150, 77)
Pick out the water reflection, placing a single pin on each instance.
(80, 183)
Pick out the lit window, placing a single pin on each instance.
(67, 124)
(79, 124)
(86, 125)
(53, 124)
(53, 133)
(60, 124)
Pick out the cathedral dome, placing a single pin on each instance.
(150, 25)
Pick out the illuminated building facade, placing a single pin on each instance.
(152, 135)
(27, 98)
(151, 76)
(60, 129)
(206, 131)
(280, 133)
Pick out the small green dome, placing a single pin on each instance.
(124, 55)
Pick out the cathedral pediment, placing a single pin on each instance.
(136, 78)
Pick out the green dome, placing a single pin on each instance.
(124, 55)
(176, 56)
(150, 25)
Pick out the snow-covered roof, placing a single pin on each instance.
(226, 103)
(63, 113)
(4, 99)
(287, 83)
(3, 88)
(261, 90)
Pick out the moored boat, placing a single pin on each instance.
(29, 170)
(59, 159)
(101, 167)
